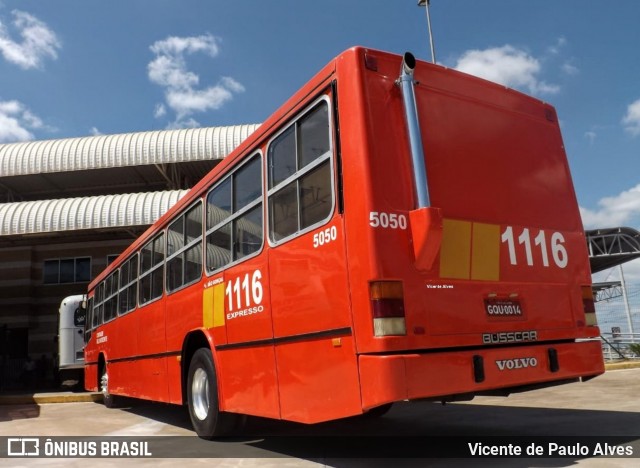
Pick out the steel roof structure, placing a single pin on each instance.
(125, 163)
(612, 246)
(85, 213)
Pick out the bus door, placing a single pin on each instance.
(308, 266)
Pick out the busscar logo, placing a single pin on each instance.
(23, 447)
(509, 337)
(517, 363)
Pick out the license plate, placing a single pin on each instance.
(503, 308)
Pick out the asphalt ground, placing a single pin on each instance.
(603, 409)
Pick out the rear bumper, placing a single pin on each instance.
(391, 378)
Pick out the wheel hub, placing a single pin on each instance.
(200, 394)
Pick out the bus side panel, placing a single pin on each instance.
(248, 382)
(121, 352)
(91, 377)
(123, 334)
(324, 384)
(247, 368)
(152, 372)
(183, 314)
(310, 288)
(310, 296)
(154, 384)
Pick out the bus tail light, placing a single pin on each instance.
(589, 306)
(387, 305)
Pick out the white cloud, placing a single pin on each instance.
(506, 65)
(16, 121)
(179, 45)
(182, 95)
(591, 136)
(38, 41)
(570, 69)
(631, 120)
(618, 210)
(159, 111)
(95, 132)
(560, 43)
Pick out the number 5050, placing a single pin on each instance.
(324, 237)
(387, 220)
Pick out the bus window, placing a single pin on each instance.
(234, 216)
(151, 271)
(128, 285)
(300, 194)
(111, 297)
(184, 249)
(97, 311)
(89, 320)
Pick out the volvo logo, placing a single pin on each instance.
(517, 363)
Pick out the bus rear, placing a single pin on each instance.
(484, 285)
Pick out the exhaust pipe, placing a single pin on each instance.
(406, 83)
(426, 221)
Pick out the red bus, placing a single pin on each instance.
(396, 231)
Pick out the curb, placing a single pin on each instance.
(622, 365)
(42, 398)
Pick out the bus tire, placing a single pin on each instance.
(109, 400)
(202, 398)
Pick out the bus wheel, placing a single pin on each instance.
(202, 398)
(109, 400)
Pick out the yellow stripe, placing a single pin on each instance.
(485, 252)
(207, 308)
(455, 252)
(218, 305)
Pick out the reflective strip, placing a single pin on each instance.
(218, 305)
(470, 250)
(207, 308)
(485, 252)
(455, 253)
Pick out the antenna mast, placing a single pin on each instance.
(426, 4)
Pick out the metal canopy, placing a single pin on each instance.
(125, 163)
(611, 247)
(85, 213)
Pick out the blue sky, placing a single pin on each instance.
(73, 68)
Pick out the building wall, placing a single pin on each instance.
(29, 308)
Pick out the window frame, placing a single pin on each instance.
(88, 323)
(184, 248)
(107, 297)
(75, 270)
(134, 259)
(235, 215)
(153, 267)
(300, 173)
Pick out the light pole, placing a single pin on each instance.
(426, 4)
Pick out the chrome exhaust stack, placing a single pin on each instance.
(426, 220)
(406, 83)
